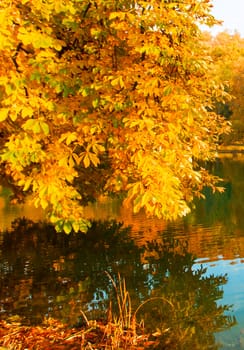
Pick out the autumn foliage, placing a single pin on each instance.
(227, 52)
(107, 97)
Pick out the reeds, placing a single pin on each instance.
(122, 330)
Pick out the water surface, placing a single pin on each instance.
(195, 263)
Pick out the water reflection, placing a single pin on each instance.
(10, 211)
(49, 274)
(44, 274)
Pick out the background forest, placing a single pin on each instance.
(227, 52)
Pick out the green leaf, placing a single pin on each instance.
(36, 76)
(59, 225)
(67, 227)
(32, 124)
(76, 226)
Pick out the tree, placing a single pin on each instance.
(107, 97)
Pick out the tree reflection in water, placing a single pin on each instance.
(48, 274)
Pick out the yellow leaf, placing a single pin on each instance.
(27, 112)
(27, 184)
(115, 81)
(13, 116)
(94, 159)
(44, 203)
(120, 15)
(86, 161)
(95, 103)
(76, 158)
(121, 82)
(70, 138)
(44, 127)
(3, 114)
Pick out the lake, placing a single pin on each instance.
(187, 275)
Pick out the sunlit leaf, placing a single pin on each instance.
(86, 161)
(27, 184)
(3, 114)
(44, 126)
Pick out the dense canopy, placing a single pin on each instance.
(107, 97)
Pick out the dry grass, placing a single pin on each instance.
(120, 332)
(123, 328)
